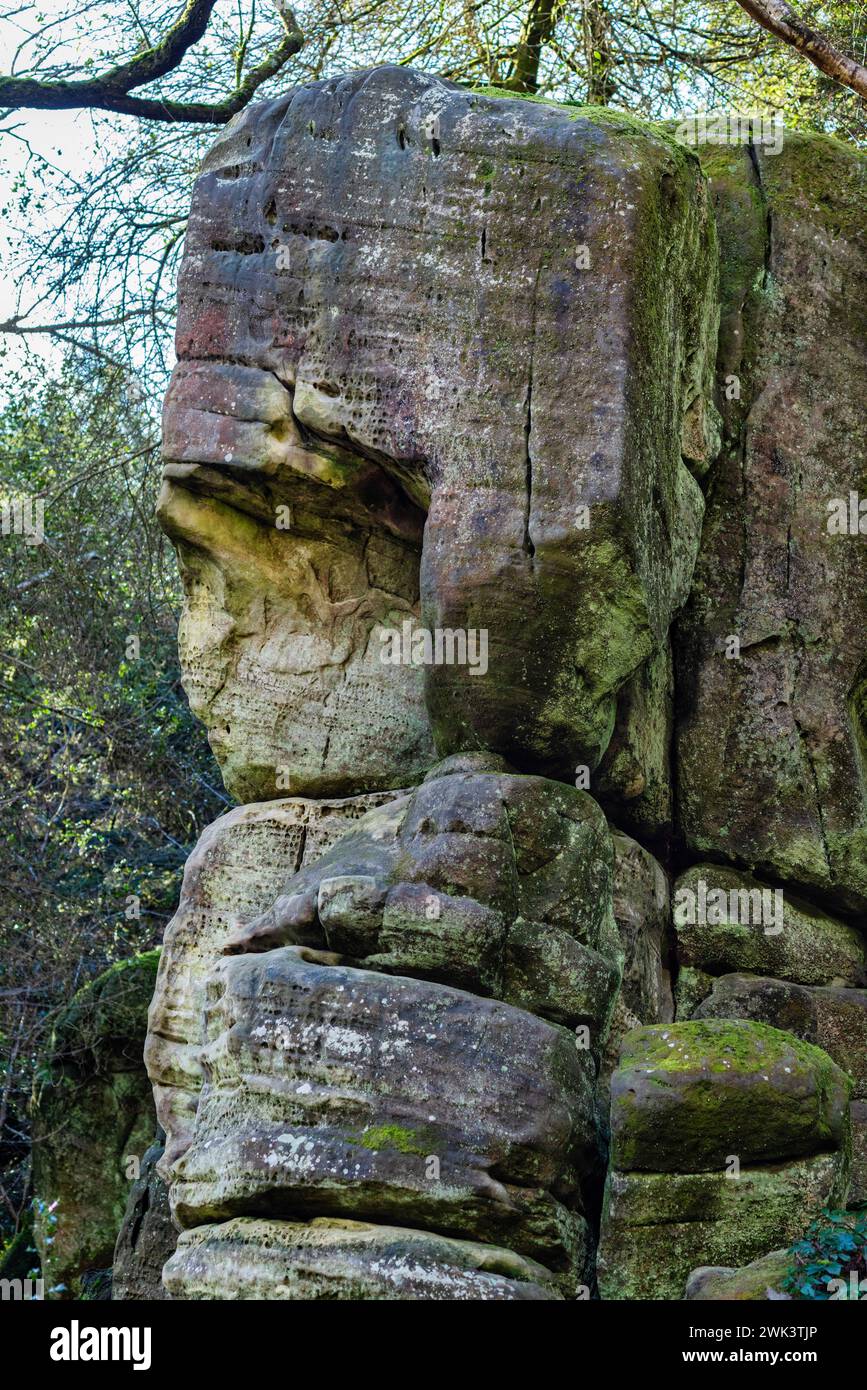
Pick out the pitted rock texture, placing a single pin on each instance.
(332, 1090)
(378, 322)
(770, 744)
(292, 561)
(481, 879)
(338, 1260)
(235, 870)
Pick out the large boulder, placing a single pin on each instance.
(685, 1096)
(236, 870)
(93, 1119)
(383, 411)
(336, 1259)
(770, 735)
(726, 921)
(338, 1091)
(728, 1138)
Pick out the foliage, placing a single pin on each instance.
(834, 1247)
(108, 779)
(101, 239)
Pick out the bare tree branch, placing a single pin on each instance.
(780, 20)
(111, 90)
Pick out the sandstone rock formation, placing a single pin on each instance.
(147, 1236)
(445, 460)
(93, 1119)
(415, 333)
(722, 1134)
(770, 745)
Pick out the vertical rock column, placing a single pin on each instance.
(422, 1054)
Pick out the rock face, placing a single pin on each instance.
(337, 1259)
(723, 1133)
(147, 1236)
(236, 869)
(770, 743)
(382, 344)
(445, 458)
(93, 1118)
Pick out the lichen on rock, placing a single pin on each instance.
(478, 554)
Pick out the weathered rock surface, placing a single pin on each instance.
(858, 1183)
(445, 358)
(236, 870)
(332, 1090)
(642, 914)
(761, 1279)
(367, 341)
(658, 1227)
(726, 1137)
(834, 1019)
(92, 1114)
(770, 744)
(740, 928)
(293, 559)
(336, 1259)
(147, 1235)
(482, 879)
(685, 1096)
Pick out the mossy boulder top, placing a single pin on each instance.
(105, 1022)
(689, 1097)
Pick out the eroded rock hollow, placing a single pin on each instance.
(498, 458)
